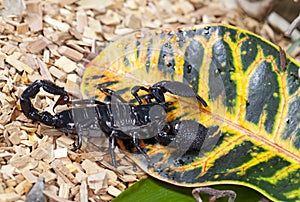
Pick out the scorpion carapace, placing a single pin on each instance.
(119, 119)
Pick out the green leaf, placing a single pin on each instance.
(151, 190)
(154, 190)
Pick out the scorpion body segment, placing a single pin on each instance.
(117, 119)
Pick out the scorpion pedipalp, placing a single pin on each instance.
(62, 100)
(174, 87)
(30, 92)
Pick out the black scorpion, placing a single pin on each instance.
(119, 119)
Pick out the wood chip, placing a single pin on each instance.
(128, 178)
(64, 190)
(59, 37)
(23, 187)
(60, 153)
(74, 89)
(62, 3)
(281, 24)
(22, 28)
(123, 31)
(106, 197)
(133, 21)
(152, 24)
(57, 73)
(100, 6)
(20, 66)
(29, 176)
(74, 78)
(53, 50)
(110, 18)
(90, 33)
(37, 45)
(113, 191)
(95, 25)
(81, 20)
(91, 167)
(65, 64)
(63, 172)
(34, 21)
(45, 73)
(64, 27)
(15, 138)
(77, 47)
(83, 192)
(75, 191)
(48, 175)
(98, 182)
(2, 60)
(111, 175)
(7, 171)
(183, 7)
(70, 53)
(93, 156)
(9, 49)
(64, 141)
(9, 196)
(131, 5)
(39, 153)
(75, 33)
(34, 7)
(23, 162)
(54, 197)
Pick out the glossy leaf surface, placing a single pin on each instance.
(252, 91)
(148, 190)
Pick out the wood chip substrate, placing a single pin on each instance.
(53, 40)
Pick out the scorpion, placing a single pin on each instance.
(118, 118)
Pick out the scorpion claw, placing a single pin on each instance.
(30, 92)
(62, 100)
(174, 87)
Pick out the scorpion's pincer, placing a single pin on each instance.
(62, 100)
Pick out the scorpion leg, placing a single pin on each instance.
(136, 89)
(112, 93)
(80, 126)
(148, 98)
(79, 141)
(158, 96)
(112, 145)
(116, 95)
(137, 145)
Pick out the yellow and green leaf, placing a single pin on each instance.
(252, 91)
